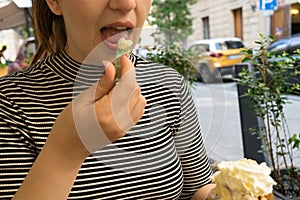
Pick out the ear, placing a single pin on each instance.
(54, 7)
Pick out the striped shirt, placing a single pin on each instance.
(161, 157)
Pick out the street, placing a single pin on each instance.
(219, 117)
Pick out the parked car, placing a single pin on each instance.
(218, 57)
(289, 45)
(25, 52)
(286, 44)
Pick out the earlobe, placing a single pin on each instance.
(54, 7)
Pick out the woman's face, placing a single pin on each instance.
(89, 22)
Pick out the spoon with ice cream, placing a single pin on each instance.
(124, 47)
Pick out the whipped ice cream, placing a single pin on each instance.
(124, 44)
(244, 179)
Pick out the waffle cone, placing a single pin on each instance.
(268, 197)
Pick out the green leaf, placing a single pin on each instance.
(295, 141)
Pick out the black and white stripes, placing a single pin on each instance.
(162, 157)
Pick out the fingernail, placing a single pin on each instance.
(125, 55)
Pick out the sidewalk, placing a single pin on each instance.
(219, 117)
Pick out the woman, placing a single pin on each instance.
(45, 130)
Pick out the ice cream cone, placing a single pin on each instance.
(268, 197)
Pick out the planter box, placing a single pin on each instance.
(251, 143)
(278, 196)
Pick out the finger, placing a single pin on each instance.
(120, 99)
(134, 98)
(137, 106)
(126, 64)
(106, 83)
(212, 196)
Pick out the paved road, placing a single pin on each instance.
(219, 117)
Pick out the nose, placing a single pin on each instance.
(122, 5)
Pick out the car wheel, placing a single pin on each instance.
(205, 74)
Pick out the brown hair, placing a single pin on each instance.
(49, 29)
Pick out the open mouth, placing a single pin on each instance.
(111, 35)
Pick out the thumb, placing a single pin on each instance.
(126, 64)
(106, 83)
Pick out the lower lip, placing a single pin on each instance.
(112, 43)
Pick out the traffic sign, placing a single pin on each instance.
(267, 5)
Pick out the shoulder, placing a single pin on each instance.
(24, 73)
(33, 78)
(156, 72)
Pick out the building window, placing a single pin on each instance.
(238, 22)
(205, 22)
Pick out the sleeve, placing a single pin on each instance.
(190, 146)
(16, 152)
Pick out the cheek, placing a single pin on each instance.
(79, 22)
(143, 12)
(147, 6)
(83, 14)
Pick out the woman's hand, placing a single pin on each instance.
(205, 193)
(123, 106)
(212, 196)
(106, 112)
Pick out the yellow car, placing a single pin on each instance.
(218, 57)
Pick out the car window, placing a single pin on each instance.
(204, 47)
(234, 44)
(279, 46)
(220, 46)
(195, 48)
(199, 49)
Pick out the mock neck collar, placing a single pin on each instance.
(69, 69)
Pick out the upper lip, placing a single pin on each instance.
(127, 25)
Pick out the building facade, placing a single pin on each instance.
(244, 19)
